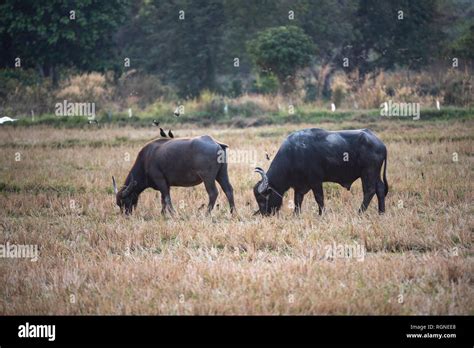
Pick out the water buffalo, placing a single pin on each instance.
(185, 162)
(309, 157)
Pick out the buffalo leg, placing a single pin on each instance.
(160, 184)
(368, 186)
(380, 191)
(166, 204)
(212, 191)
(223, 180)
(298, 201)
(319, 197)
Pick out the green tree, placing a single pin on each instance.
(243, 19)
(179, 40)
(395, 33)
(329, 23)
(49, 35)
(282, 51)
(464, 46)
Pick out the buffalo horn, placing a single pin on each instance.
(264, 184)
(115, 185)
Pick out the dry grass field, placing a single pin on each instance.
(56, 193)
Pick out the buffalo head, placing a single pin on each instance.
(126, 198)
(268, 199)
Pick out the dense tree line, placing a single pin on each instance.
(194, 45)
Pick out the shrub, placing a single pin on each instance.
(457, 88)
(22, 92)
(370, 94)
(265, 84)
(339, 88)
(311, 93)
(236, 88)
(90, 88)
(134, 89)
(453, 87)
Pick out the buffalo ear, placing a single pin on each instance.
(128, 189)
(277, 193)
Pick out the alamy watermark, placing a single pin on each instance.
(67, 108)
(28, 330)
(27, 251)
(237, 156)
(345, 251)
(391, 108)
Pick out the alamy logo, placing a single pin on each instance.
(237, 156)
(345, 251)
(26, 251)
(400, 109)
(75, 109)
(37, 331)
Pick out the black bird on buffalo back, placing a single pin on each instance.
(162, 133)
(170, 134)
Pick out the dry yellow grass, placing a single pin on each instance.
(419, 255)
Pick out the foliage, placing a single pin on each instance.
(45, 37)
(186, 47)
(282, 51)
(23, 92)
(141, 89)
(464, 46)
(183, 52)
(395, 33)
(265, 83)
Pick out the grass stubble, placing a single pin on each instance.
(418, 256)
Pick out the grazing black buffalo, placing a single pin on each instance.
(186, 162)
(309, 157)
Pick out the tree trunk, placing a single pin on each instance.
(54, 76)
(40, 70)
(287, 85)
